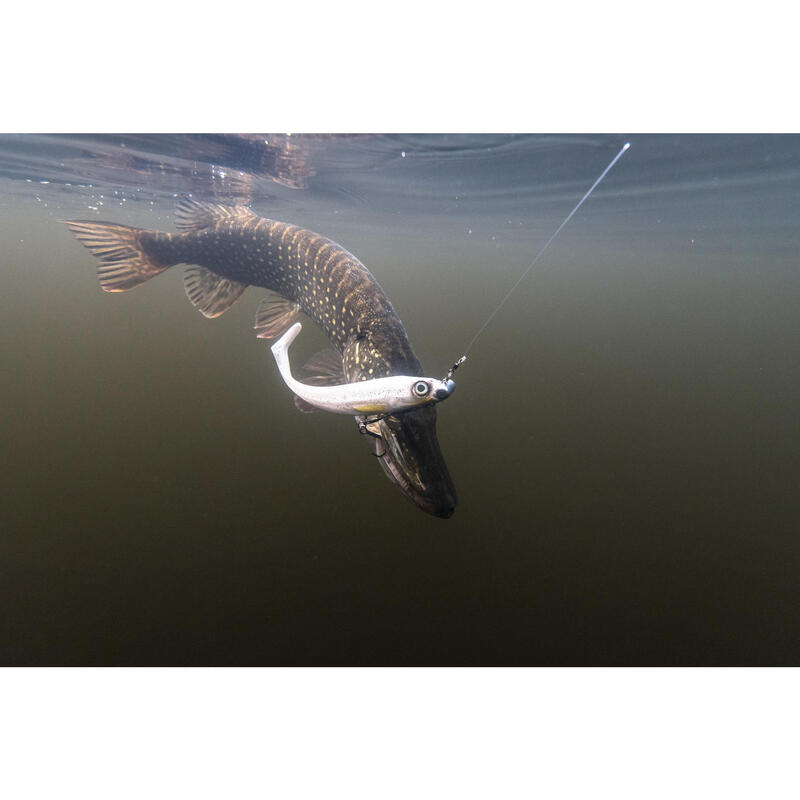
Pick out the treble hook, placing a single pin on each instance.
(365, 431)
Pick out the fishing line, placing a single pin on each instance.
(533, 263)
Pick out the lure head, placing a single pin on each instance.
(430, 390)
(397, 393)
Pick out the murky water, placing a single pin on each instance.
(624, 438)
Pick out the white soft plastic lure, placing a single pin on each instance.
(377, 396)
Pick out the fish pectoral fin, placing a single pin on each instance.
(195, 215)
(274, 315)
(305, 407)
(210, 293)
(325, 368)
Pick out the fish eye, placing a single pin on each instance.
(421, 389)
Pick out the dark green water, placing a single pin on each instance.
(624, 438)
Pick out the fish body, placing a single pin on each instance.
(396, 393)
(230, 248)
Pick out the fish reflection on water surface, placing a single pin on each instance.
(231, 248)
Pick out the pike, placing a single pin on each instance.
(230, 248)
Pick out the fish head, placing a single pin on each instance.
(408, 450)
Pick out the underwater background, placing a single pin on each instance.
(624, 438)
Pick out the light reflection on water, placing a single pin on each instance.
(624, 437)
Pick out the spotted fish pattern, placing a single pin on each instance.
(230, 248)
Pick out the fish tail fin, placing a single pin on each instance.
(125, 259)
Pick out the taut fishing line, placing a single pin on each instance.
(533, 263)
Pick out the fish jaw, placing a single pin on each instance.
(408, 450)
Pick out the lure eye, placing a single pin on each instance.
(421, 389)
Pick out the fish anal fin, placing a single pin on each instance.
(274, 315)
(210, 293)
(324, 369)
(195, 215)
(303, 406)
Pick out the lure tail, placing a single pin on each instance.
(280, 348)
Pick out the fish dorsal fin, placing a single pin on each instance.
(209, 293)
(274, 315)
(324, 369)
(303, 406)
(194, 215)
